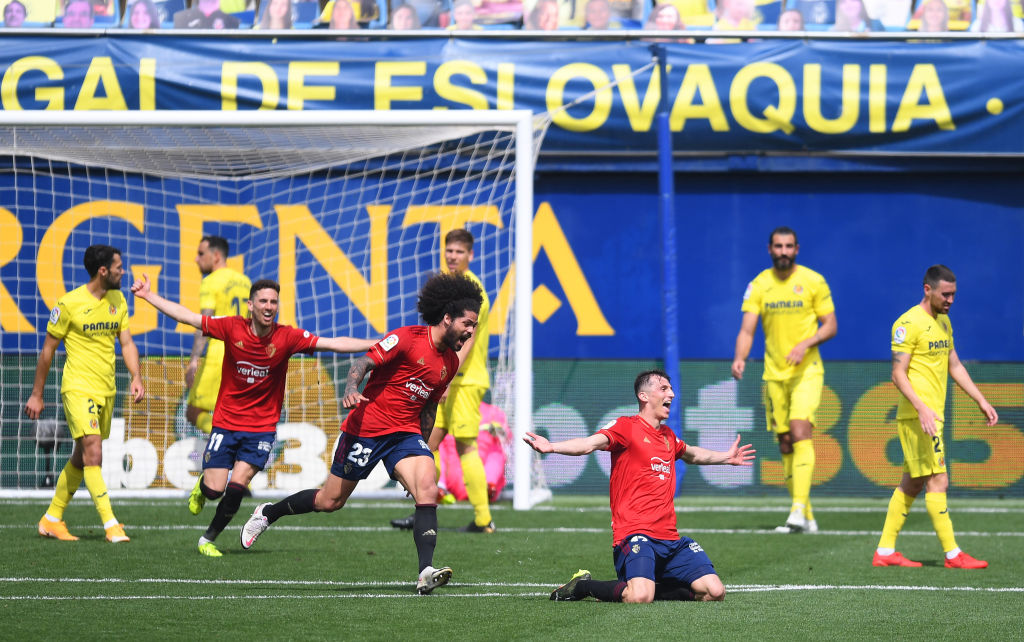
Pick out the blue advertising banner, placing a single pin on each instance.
(962, 97)
(596, 246)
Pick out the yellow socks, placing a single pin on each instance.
(938, 510)
(787, 472)
(98, 489)
(803, 471)
(899, 508)
(475, 478)
(67, 483)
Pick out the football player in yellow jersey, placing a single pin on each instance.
(223, 292)
(459, 412)
(88, 319)
(797, 314)
(922, 355)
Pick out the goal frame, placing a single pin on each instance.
(521, 120)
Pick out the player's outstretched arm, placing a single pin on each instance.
(578, 446)
(344, 345)
(963, 379)
(736, 456)
(176, 311)
(359, 368)
(34, 405)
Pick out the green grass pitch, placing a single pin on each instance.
(349, 576)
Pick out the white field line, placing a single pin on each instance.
(683, 530)
(490, 589)
(681, 507)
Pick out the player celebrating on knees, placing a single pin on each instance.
(223, 292)
(922, 355)
(87, 319)
(459, 414)
(652, 561)
(797, 314)
(393, 418)
(256, 353)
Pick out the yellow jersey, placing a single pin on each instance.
(789, 312)
(89, 327)
(224, 291)
(928, 341)
(474, 371)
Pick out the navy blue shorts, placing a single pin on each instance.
(659, 560)
(225, 447)
(355, 457)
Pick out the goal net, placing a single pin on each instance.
(347, 210)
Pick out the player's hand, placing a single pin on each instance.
(740, 455)
(538, 443)
(352, 399)
(141, 286)
(738, 366)
(444, 395)
(991, 416)
(928, 417)
(796, 355)
(137, 389)
(34, 407)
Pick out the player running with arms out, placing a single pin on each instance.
(88, 319)
(223, 292)
(922, 355)
(797, 314)
(393, 418)
(251, 394)
(459, 413)
(652, 561)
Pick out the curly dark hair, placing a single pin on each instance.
(450, 294)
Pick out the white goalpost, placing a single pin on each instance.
(346, 209)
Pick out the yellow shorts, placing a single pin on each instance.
(206, 385)
(922, 455)
(796, 398)
(87, 415)
(460, 413)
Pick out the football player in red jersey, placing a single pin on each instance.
(393, 417)
(652, 561)
(248, 407)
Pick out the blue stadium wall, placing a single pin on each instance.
(885, 157)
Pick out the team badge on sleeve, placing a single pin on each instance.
(389, 342)
(750, 288)
(55, 314)
(900, 335)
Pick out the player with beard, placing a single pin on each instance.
(652, 561)
(88, 320)
(393, 417)
(797, 314)
(923, 358)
